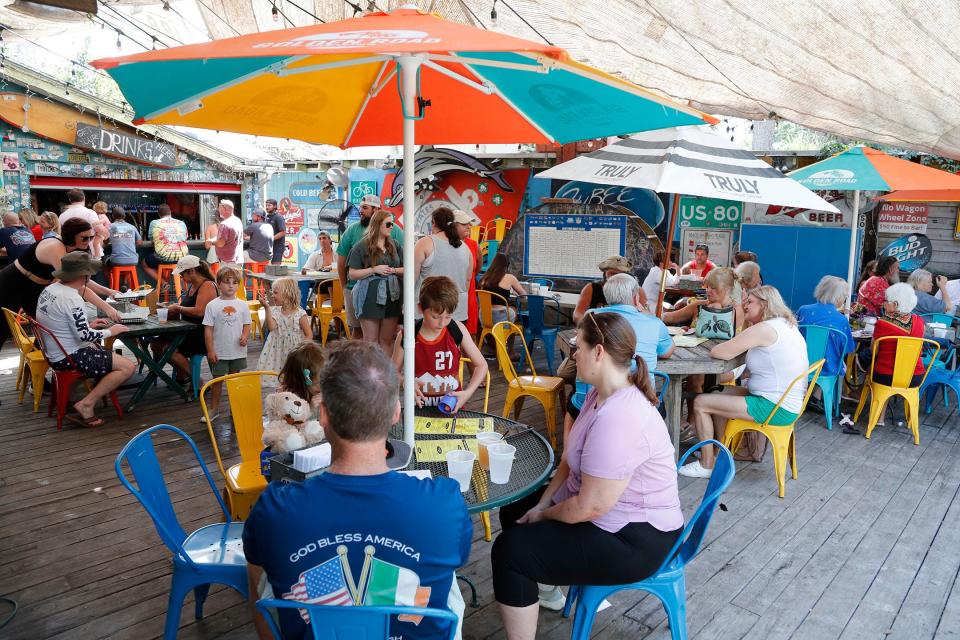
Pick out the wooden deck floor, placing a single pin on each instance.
(865, 544)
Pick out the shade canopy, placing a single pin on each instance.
(337, 83)
(690, 161)
(862, 168)
(929, 195)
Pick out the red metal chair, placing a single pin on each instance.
(63, 381)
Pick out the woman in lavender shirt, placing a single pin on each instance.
(612, 511)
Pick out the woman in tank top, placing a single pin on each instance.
(22, 281)
(443, 253)
(776, 355)
(497, 280)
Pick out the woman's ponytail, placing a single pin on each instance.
(443, 220)
(641, 378)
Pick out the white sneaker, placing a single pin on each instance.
(552, 598)
(695, 470)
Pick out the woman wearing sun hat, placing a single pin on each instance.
(201, 289)
(62, 310)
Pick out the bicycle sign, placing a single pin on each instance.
(360, 188)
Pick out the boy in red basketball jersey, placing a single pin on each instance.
(440, 342)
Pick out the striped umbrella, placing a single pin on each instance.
(689, 161)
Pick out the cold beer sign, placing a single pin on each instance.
(912, 251)
(903, 217)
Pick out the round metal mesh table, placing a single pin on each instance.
(531, 466)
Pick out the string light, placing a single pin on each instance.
(119, 44)
(275, 12)
(493, 11)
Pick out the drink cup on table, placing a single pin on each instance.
(501, 462)
(484, 440)
(460, 467)
(162, 314)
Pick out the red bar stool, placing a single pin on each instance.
(118, 271)
(164, 277)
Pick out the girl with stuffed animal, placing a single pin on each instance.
(300, 373)
(287, 323)
(292, 410)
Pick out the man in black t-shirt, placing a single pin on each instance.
(279, 230)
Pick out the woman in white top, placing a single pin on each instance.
(443, 253)
(651, 284)
(776, 355)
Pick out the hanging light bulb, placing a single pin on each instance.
(166, 5)
(493, 11)
(154, 39)
(119, 44)
(276, 13)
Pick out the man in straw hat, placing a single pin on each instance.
(61, 309)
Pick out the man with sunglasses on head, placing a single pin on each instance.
(369, 205)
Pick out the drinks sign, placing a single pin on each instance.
(710, 213)
(903, 217)
(115, 143)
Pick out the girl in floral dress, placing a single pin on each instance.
(288, 324)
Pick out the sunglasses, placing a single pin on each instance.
(388, 224)
(87, 238)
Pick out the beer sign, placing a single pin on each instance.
(912, 251)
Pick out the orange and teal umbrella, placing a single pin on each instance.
(862, 168)
(378, 80)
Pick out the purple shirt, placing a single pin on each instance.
(625, 438)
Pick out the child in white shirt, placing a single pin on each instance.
(226, 330)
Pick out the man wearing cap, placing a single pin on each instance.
(260, 235)
(62, 310)
(700, 266)
(368, 206)
(368, 525)
(279, 225)
(465, 221)
(229, 242)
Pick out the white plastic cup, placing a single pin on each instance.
(460, 467)
(940, 332)
(162, 315)
(501, 462)
(484, 440)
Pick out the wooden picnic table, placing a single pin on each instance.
(683, 362)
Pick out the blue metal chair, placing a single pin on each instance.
(547, 282)
(330, 622)
(946, 353)
(946, 318)
(949, 378)
(817, 338)
(668, 583)
(211, 554)
(531, 310)
(666, 383)
(195, 362)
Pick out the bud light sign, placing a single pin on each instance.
(912, 251)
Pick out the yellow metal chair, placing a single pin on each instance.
(256, 326)
(31, 359)
(476, 233)
(243, 481)
(497, 228)
(548, 390)
(782, 438)
(484, 515)
(908, 352)
(487, 300)
(331, 310)
(319, 298)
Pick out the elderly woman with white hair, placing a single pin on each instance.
(897, 319)
(748, 277)
(776, 355)
(831, 295)
(922, 282)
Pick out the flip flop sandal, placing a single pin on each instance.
(851, 431)
(91, 422)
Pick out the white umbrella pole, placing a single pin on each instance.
(408, 79)
(854, 227)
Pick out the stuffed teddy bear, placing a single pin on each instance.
(289, 427)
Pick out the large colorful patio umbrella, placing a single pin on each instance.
(862, 168)
(690, 161)
(372, 80)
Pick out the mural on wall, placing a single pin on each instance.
(445, 177)
(643, 202)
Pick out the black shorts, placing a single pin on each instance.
(153, 261)
(92, 362)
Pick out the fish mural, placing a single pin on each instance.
(435, 161)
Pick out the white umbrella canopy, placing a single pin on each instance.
(689, 161)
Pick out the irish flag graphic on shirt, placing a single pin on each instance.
(391, 585)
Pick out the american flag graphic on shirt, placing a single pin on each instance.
(323, 584)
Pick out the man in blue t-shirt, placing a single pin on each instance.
(124, 239)
(358, 534)
(624, 297)
(14, 238)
